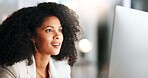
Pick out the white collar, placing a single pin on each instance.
(53, 70)
(31, 69)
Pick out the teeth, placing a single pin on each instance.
(55, 44)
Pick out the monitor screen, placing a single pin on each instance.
(129, 50)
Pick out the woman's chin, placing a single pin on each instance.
(56, 53)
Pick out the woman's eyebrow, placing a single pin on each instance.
(48, 26)
(51, 27)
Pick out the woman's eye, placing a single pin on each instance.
(60, 30)
(49, 30)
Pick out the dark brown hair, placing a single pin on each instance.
(15, 43)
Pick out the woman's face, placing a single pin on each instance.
(49, 36)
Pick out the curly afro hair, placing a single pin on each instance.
(16, 44)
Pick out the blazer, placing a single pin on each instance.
(58, 69)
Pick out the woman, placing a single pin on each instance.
(39, 42)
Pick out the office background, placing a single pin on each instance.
(96, 19)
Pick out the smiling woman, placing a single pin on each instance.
(39, 42)
(49, 36)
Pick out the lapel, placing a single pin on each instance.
(31, 69)
(53, 70)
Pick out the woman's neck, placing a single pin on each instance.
(42, 62)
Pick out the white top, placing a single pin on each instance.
(58, 69)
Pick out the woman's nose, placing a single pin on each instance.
(56, 36)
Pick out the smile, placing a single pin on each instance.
(56, 45)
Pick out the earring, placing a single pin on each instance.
(34, 46)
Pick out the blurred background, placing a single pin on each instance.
(96, 19)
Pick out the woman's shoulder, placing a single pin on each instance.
(60, 67)
(8, 72)
(12, 71)
(18, 70)
(60, 62)
(63, 64)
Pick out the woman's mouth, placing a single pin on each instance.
(56, 45)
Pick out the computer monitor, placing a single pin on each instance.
(129, 50)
